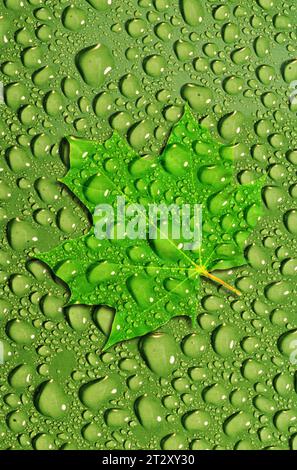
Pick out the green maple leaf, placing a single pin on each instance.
(150, 281)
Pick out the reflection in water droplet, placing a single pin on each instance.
(51, 400)
(159, 351)
(198, 97)
(192, 11)
(94, 394)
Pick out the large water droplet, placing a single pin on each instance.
(94, 63)
(159, 351)
(51, 400)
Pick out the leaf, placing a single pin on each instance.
(150, 281)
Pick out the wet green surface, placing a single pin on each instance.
(86, 70)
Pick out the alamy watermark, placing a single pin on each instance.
(155, 221)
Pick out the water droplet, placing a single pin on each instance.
(73, 18)
(198, 97)
(197, 420)
(94, 64)
(192, 11)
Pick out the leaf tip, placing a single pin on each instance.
(109, 343)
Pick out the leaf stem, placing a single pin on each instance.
(205, 273)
